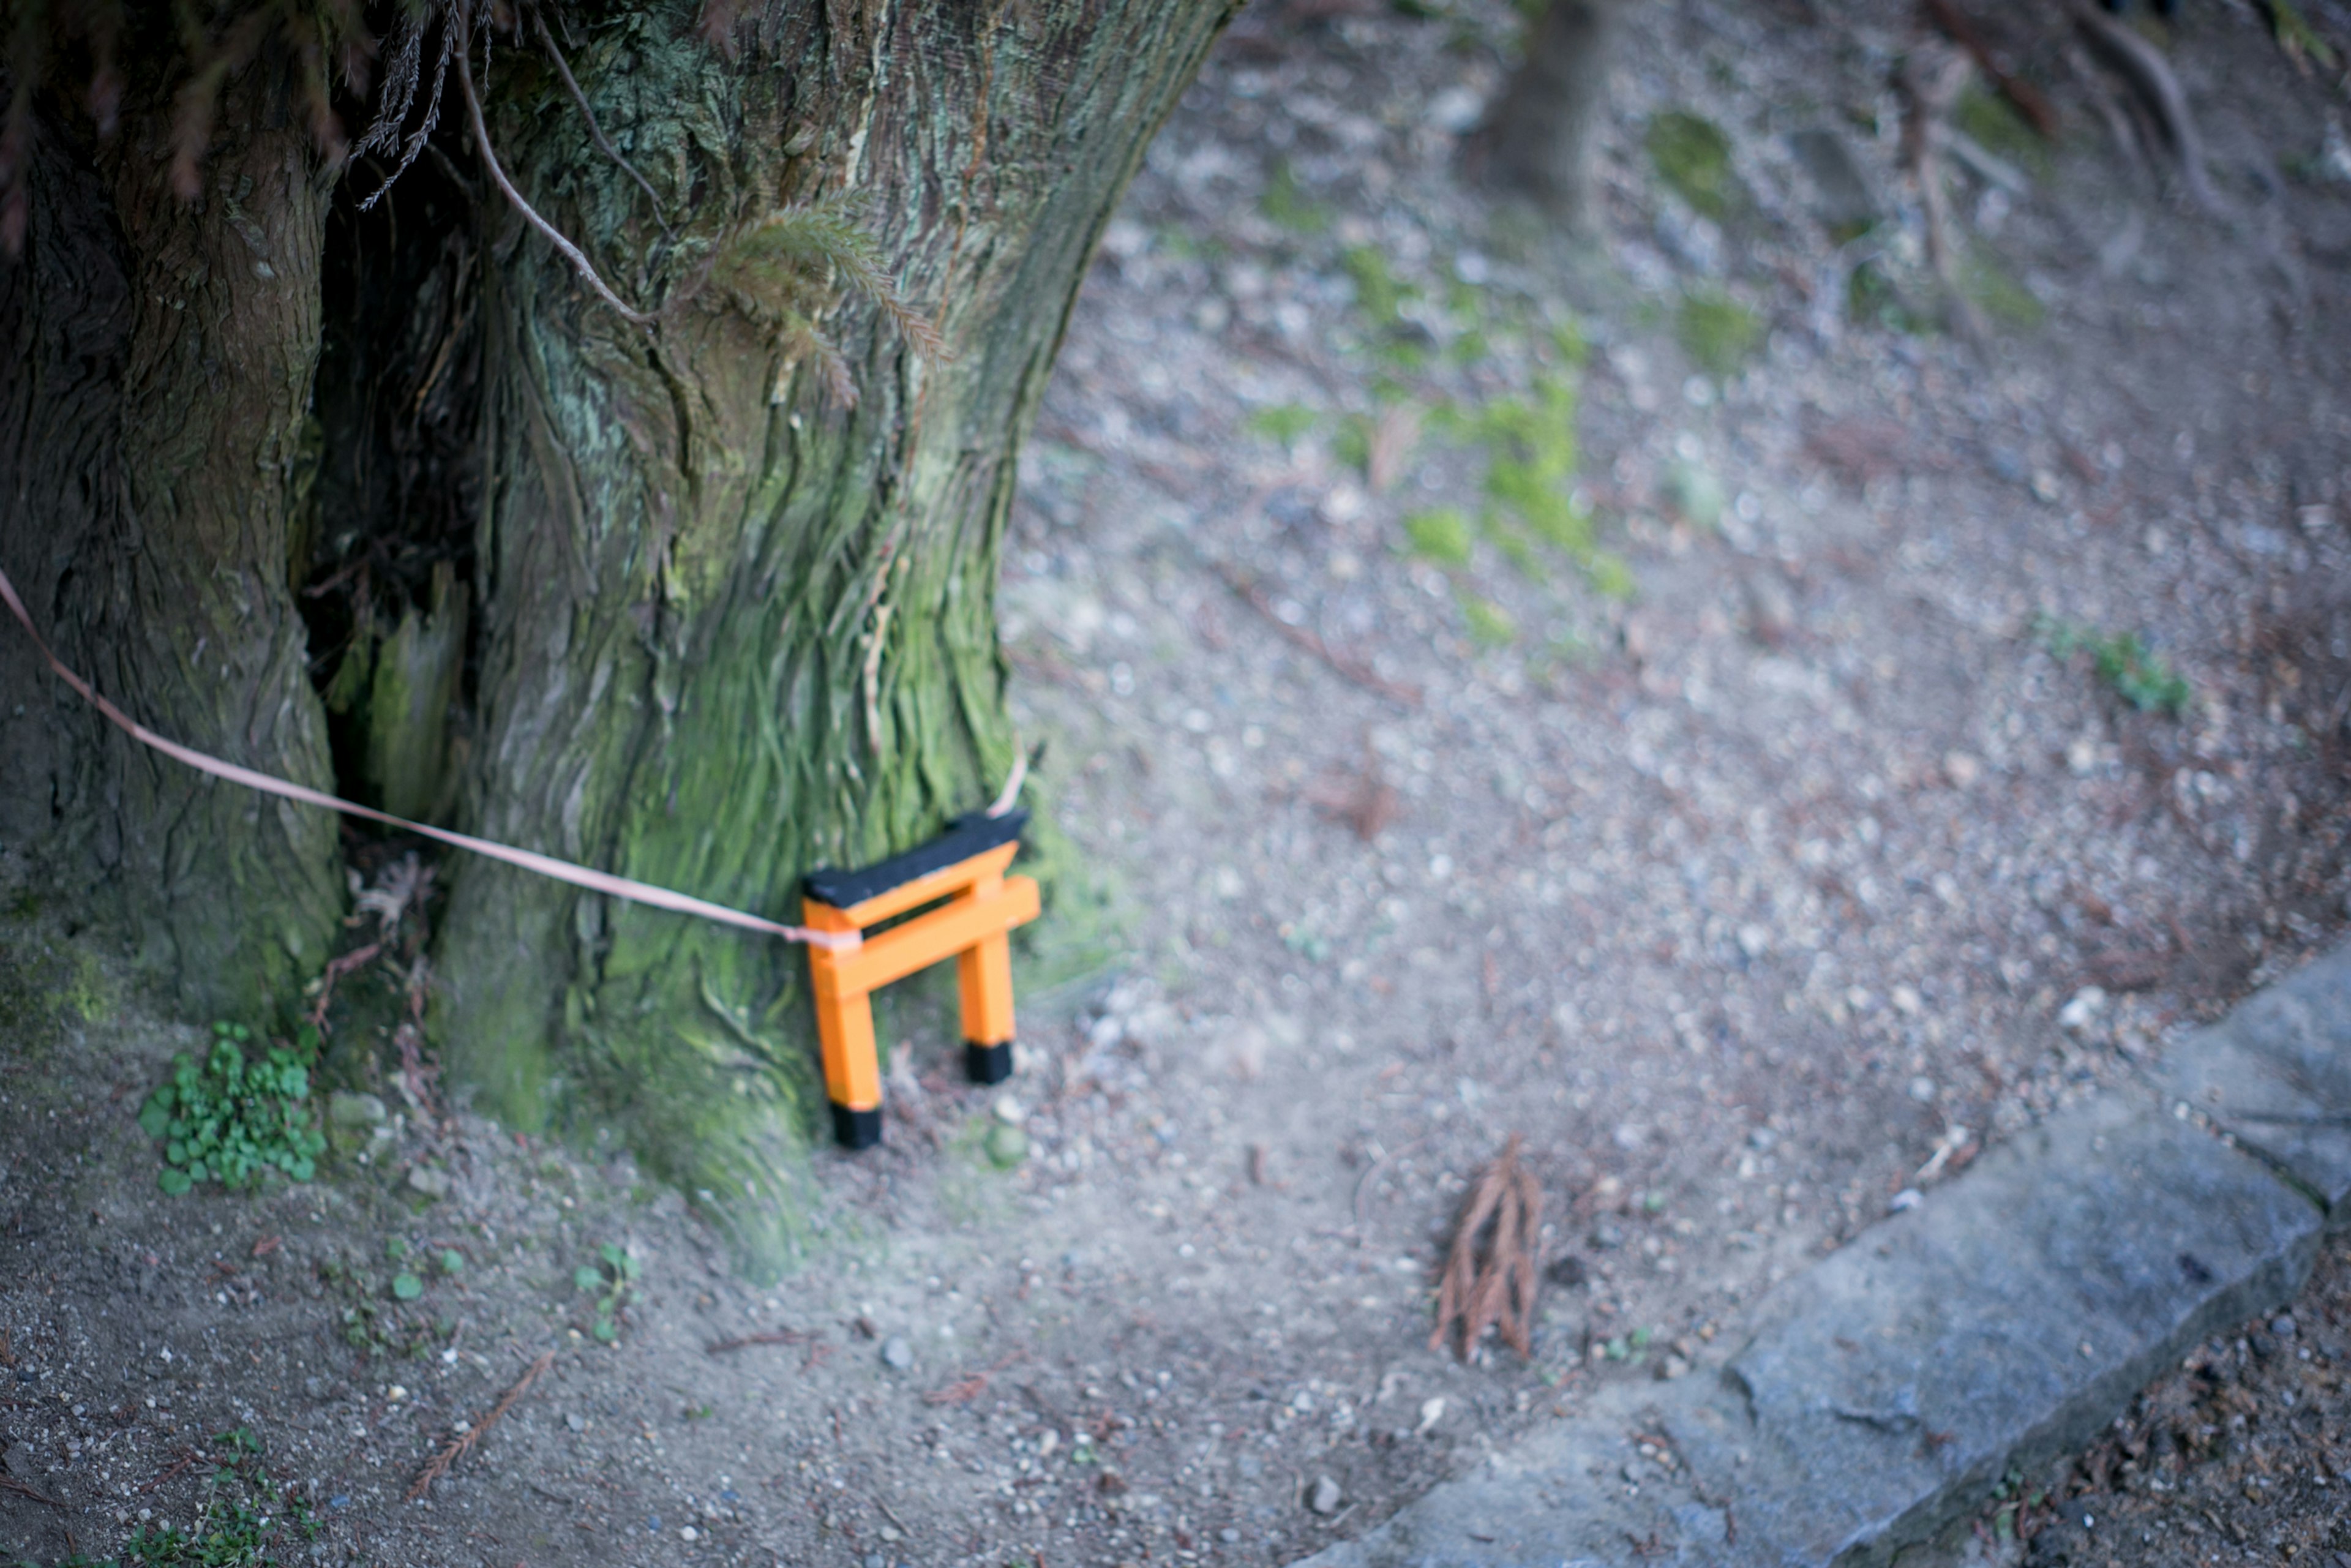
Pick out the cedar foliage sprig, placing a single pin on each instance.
(782, 272)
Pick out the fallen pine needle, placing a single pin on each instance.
(463, 1443)
(1496, 1291)
(970, 1388)
(11, 1483)
(780, 1336)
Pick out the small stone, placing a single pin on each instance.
(1607, 1238)
(1324, 1498)
(2077, 1015)
(2082, 758)
(576, 1421)
(2283, 1325)
(1673, 1367)
(1961, 769)
(1432, 1411)
(1007, 1146)
(18, 1460)
(1770, 611)
(1842, 198)
(348, 1110)
(1229, 1536)
(1009, 1110)
(430, 1182)
(1909, 1197)
(897, 1353)
(1922, 1089)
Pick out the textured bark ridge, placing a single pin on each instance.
(729, 636)
(152, 430)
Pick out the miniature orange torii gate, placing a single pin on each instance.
(964, 867)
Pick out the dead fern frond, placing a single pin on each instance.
(1493, 1288)
(792, 255)
(389, 119)
(798, 338)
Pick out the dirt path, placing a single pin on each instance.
(1753, 899)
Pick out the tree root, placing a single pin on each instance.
(2156, 88)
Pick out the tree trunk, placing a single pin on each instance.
(1539, 139)
(736, 629)
(154, 421)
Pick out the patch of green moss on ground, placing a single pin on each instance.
(1284, 423)
(1994, 124)
(1491, 625)
(1718, 333)
(1999, 294)
(1286, 206)
(1441, 534)
(1692, 156)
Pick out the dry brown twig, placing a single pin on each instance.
(10, 1483)
(970, 1388)
(780, 1337)
(1496, 1291)
(463, 1443)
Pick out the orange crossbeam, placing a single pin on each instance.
(981, 906)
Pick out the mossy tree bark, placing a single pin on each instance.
(153, 429)
(733, 630)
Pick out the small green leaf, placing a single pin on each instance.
(605, 1332)
(407, 1286)
(171, 1181)
(452, 1260)
(587, 1278)
(396, 1248)
(155, 1117)
(610, 1254)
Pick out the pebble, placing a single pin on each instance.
(1007, 1146)
(576, 1421)
(897, 1353)
(2083, 1010)
(2283, 1325)
(1324, 1499)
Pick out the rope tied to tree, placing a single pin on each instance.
(544, 865)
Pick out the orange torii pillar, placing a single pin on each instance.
(965, 868)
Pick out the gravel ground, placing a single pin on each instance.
(1760, 858)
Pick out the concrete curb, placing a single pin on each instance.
(1884, 1392)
